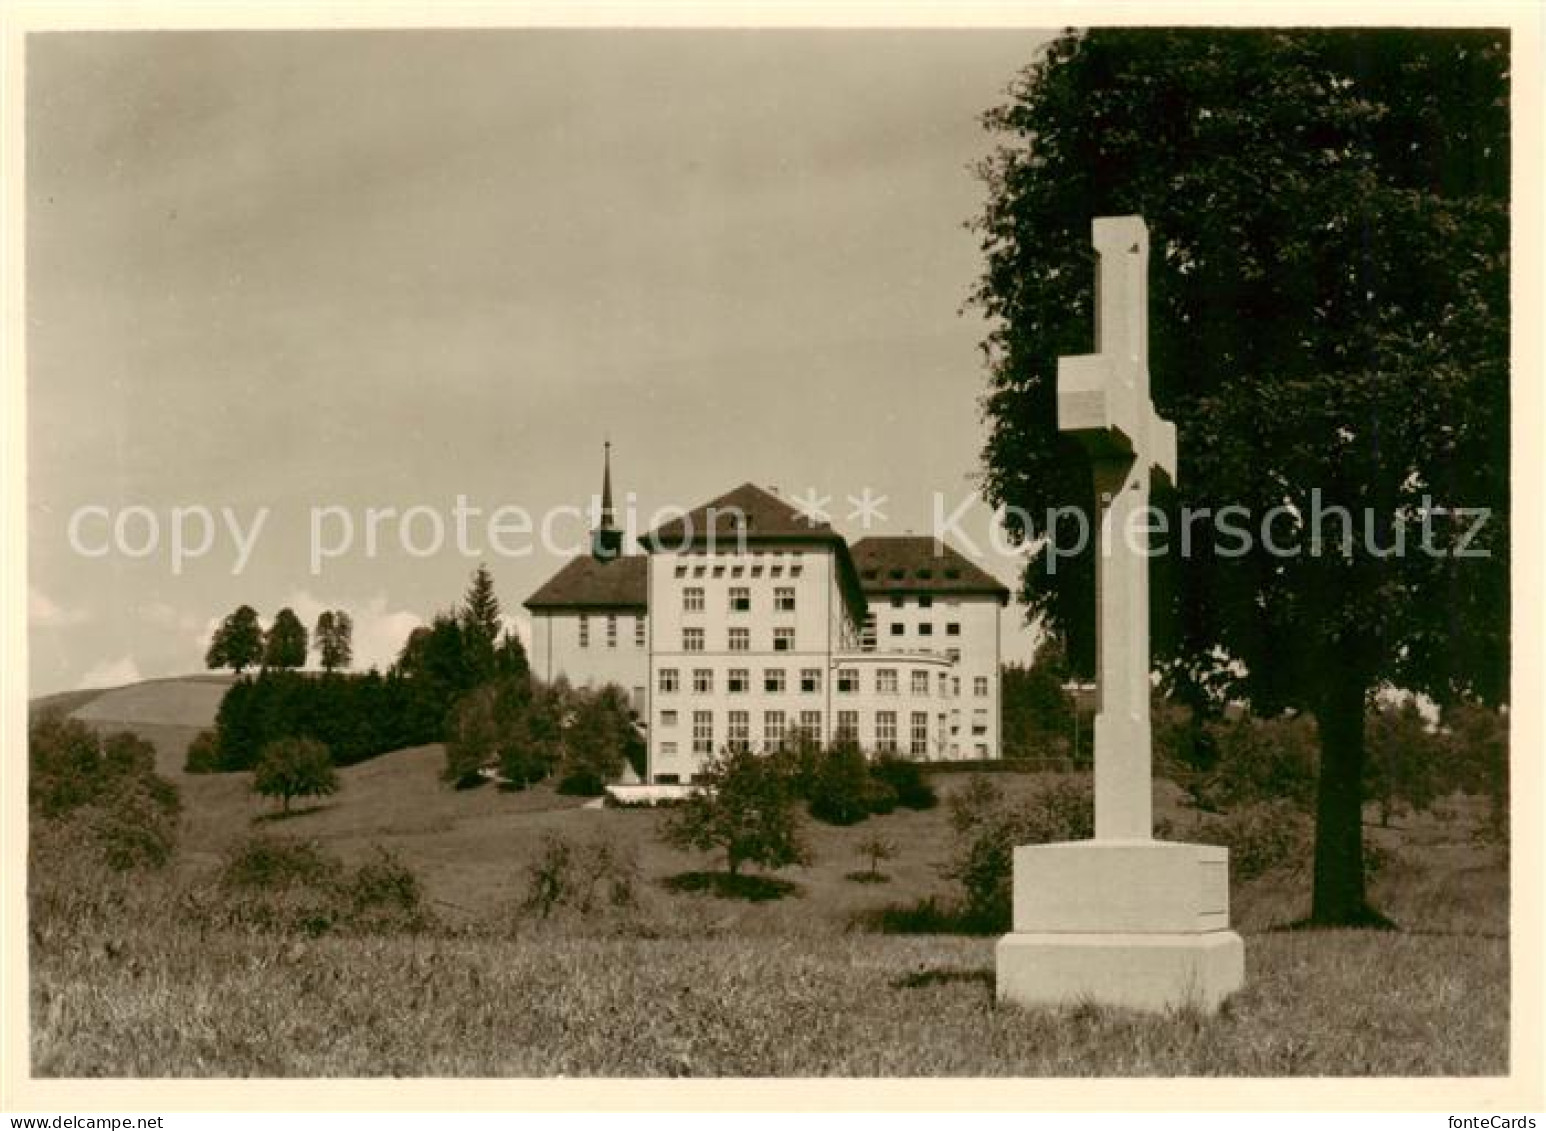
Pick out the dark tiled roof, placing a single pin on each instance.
(586, 583)
(917, 564)
(766, 516)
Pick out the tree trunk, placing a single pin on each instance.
(1339, 899)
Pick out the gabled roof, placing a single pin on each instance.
(909, 563)
(587, 583)
(762, 515)
(754, 516)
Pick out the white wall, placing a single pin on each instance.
(556, 650)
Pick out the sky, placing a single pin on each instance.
(312, 273)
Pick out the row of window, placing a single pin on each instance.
(611, 630)
(739, 599)
(775, 569)
(776, 730)
(739, 640)
(738, 681)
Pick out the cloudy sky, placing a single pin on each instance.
(303, 270)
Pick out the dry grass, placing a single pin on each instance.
(145, 978)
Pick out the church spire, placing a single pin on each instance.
(606, 541)
(606, 485)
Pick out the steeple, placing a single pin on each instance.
(606, 541)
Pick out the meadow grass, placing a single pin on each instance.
(151, 975)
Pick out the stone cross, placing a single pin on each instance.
(1103, 401)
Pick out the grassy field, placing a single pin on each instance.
(140, 978)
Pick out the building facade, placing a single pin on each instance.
(744, 624)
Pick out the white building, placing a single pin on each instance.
(744, 623)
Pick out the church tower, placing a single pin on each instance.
(606, 541)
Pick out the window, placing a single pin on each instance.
(898, 628)
(885, 732)
(955, 686)
(783, 640)
(847, 681)
(740, 640)
(584, 631)
(703, 732)
(979, 722)
(773, 679)
(740, 730)
(692, 639)
(920, 735)
(810, 680)
(847, 726)
(611, 630)
(668, 718)
(925, 602)
(638, 632)
(775, 571)
(955, 657)
(867, 633)
(920, 683)
(699, 571)
(885, 681)
(939, 733)
(740, 681)
(795, 570)
(953, 628)
(668, 681)
(681, 571)
(740, 599)
(926, 628)
(944, 684)
(982, 749)
(738, 571)
(702, 681)
(692, 599)
(980, 687)
(756, 571)
(667, 748)
(719, 571)
(810, 723)
(783, 599)
(898, 602)
(773, 729)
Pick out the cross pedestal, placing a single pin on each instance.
(1122, 919)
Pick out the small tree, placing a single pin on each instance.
(294, 767)
(237, 643)
(745, 809)
(284, 645)
(334, 638)
(875, 849)
(841, 790)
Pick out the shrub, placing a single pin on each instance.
(294, 767)
(203, 756)
(1261, 838)
(584, 877)
(906, 779)
(987, 831)
(841, 793)
(298, 886)
(99, 796)
(1260, 760)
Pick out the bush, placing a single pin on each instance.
(203, 756)
(297, 886)
(99, 796)
(1261, 838)
(584, 877)
(745, 809)
(988, 829)
(907, 781)
(841, 793)
(1260, 760)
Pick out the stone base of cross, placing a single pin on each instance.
(1122, 919)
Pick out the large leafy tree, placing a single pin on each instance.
(237, 643)
(284, 645)
(1328, 213)
(334, 639)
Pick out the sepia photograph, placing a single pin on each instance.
(770, 552)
